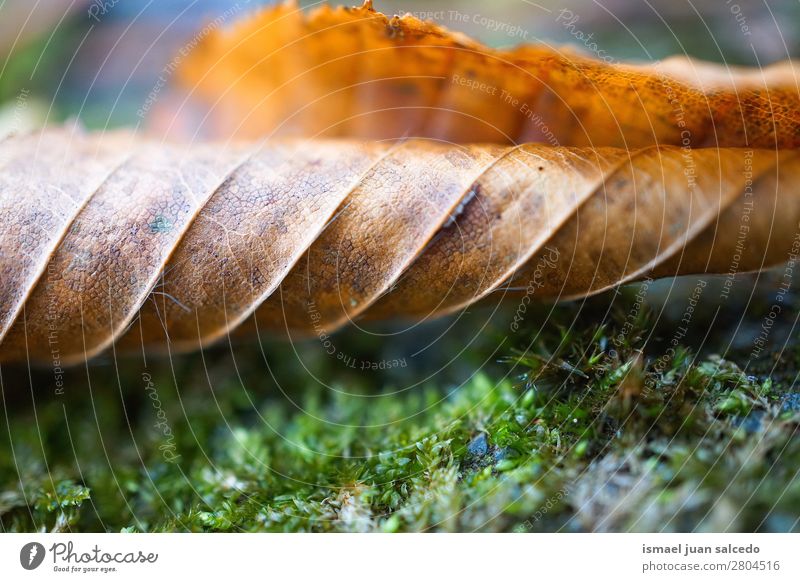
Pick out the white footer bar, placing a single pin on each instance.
(351, 557)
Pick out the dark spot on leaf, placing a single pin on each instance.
(160, 225)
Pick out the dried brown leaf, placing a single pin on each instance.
(115, 238)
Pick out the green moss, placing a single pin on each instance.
(583, 425)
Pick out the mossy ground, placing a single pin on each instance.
(584, 420)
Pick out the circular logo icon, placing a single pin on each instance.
(31, 555)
